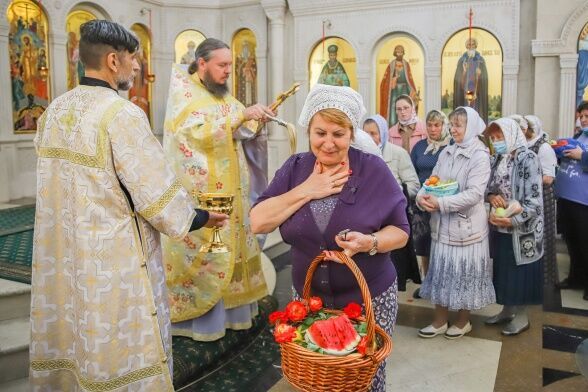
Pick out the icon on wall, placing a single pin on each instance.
(400, 70)
(333, 63)
(582, 69)
(29, 63)
(75, 67)
(472, 77)
(140, 92)
(244, 67)
(185, 46)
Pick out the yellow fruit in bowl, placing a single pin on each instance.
(500, 212)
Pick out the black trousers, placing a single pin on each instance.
(573, 220)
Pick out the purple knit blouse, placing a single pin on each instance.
(370, 200)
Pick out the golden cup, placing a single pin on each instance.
(221, 203)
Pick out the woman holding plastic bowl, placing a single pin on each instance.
(460, 270)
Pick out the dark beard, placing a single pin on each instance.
(219, 90)
(124, 84)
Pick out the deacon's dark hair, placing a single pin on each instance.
(582, 106)
(98, 37)
(204, 51)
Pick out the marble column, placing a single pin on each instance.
(567, 93)
(161, 61)
(5, 113)
(58, 63)
(5, 86)
(363, 87)
(278, 145)
(510, 74)
(432, 88)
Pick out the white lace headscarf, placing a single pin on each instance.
(323, 96)
(474, 127)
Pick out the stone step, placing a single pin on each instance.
(15, 299)
(20, 385)
(14, 349)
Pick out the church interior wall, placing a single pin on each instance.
(526, 64)
(533, 35)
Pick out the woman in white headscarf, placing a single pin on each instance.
(537, 142)
(409, 129)
(460, 271)
(517, 240)
(400, 165)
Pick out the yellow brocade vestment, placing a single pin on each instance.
(201, 138)
(99, 312)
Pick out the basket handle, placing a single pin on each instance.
(365, 292)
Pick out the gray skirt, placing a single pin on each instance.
(459, 277)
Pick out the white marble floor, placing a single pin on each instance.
(569, 298)
(439, 364)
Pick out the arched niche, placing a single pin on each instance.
(75, 68)
(582, 67)
(28, 53)
(471, 75)
(185, 44)
(243, 47)
(140, 92)
(333, 62)
(400, 69)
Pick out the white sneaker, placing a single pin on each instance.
(455, 333)
(430, 332)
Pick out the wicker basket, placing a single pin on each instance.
(314, 372)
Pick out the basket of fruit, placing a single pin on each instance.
(434, 186)
(330, 350)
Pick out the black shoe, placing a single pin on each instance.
(417, 293)
(585, 295)
(567, 284)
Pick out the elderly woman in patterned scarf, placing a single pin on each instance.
(517, 239)
(537, 142)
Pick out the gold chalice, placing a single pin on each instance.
(221, 203)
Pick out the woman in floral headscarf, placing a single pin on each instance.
(517, 240)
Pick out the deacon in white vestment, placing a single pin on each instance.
(99, 313)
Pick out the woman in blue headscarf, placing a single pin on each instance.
(400, 164)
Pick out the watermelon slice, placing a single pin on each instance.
(335, 335)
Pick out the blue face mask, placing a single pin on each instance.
(585, 131)
(500, 147)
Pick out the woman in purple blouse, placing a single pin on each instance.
(317, 194)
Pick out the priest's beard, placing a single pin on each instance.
(219, 90)
(124, 84)
(471, 52)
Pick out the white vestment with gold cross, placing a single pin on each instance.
(99, 313)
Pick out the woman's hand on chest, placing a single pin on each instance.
(322, 183)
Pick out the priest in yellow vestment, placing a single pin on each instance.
(204, 133)
(99, 312)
